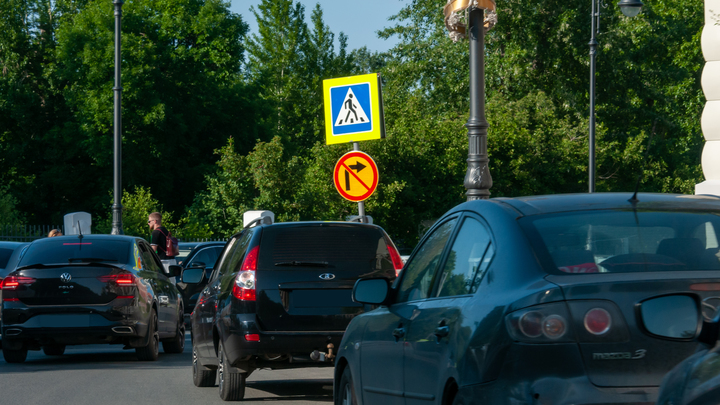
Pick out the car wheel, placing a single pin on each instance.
(54, 350)
(202, 377)
(231, 384)
(14, 355)
(150, 352)
(346, 393)
(176, 344)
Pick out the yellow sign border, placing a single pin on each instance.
(376, 110)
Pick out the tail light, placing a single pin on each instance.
(540, 324)
(244, 288)
(597, 321)
(13, 282)
(252, 337)
(395, 257)
(125, 279)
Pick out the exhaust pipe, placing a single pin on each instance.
(13, 332)
(123, 329)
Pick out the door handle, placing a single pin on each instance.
(399, 333)
(441, 332)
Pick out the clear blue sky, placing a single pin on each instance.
(358, 19)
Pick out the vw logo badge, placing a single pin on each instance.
(65, 277)
(327, 276)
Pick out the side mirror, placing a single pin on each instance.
(174, 270)
(672, 316)
(372, 291)
(193, 276)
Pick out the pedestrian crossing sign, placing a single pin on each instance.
(353, 109)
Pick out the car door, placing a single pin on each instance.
(381, 355)
(435, 335)
(165, 291)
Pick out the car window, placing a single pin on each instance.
(65, 250)
(235, 254)
(149, 262)
(418, 274)
(207, 256)
(465, 260)
(5, 256)
(615, 241)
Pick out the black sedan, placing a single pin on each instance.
(556, 299)
(9, 254)
(92, 289)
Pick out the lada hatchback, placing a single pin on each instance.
(280, 297)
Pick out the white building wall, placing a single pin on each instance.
(711, 113)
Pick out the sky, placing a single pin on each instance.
(358, 19)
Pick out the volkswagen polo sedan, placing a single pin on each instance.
(559, 299)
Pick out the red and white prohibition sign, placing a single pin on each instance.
(355, 176)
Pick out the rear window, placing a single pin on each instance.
(5, 256)
(339, 246)
(76, 250)
(625, 241)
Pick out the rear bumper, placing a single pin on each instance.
(274, 348)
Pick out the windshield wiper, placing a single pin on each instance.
(90, 259)
(298, 263)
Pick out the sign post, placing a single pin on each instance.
(353, 113)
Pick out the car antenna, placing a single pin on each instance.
(634, 200)
(80, 235)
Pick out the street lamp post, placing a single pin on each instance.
(117, 228)
(630, 8)
(477, 177)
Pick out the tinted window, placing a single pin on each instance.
(418, 274)
(625, 241)
(148, 259)
(207, 256)
(75, 250)
(235, 253)
(464, 260)
(342, 247)
(5, 256)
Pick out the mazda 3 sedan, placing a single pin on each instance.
(93, 289)
(559, 299)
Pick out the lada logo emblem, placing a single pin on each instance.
(65, 277)
(327, 276)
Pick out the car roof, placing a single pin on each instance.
(11, 245)
(86, 237)
(555, 203)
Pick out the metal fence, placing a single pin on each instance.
(26, 233)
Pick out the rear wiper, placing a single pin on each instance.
(297, 263)
(90, 259)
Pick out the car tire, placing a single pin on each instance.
(231, 384)
(176, 344)
(151, 350)
(202, 377)
(346, 390)
(15, 355)
(54, 350)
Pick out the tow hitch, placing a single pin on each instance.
(322, 356)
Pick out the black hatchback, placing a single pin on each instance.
(559, 299)
(280, 297)
(92, 289)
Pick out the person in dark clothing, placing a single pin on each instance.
(158, 239)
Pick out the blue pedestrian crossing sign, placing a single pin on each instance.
(353, 109)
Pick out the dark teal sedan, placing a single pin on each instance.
(558, 299)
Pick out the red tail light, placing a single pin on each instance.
(395, 257)
(252, 337)
(250, 262)
(125, 279)
(244, 288)
(597, 321)
(13, 282)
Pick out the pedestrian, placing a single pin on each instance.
(55, 232)
(158, 240)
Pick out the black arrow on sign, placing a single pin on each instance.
(357, 166)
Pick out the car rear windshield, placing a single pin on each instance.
(77, 251)
(625, 241)
(337, 246)
(5, 256)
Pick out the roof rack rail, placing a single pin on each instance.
(358, 218)
(252, 218)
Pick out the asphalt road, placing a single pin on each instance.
(108, 375)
